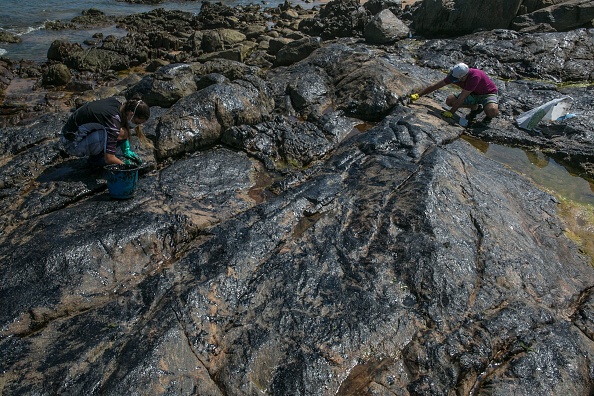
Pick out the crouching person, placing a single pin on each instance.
(100, 130)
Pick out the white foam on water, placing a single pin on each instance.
(30, 29)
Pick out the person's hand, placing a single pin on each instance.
(414, 97)
(130, 157)
(447, 114)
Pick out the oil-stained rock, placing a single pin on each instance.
(197, 121)
(303, 230)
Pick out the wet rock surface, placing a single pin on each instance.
(299, 230)
(451, 18)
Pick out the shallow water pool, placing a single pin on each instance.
(542, 169)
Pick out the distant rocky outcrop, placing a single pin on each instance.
(342, 18)
(451, 18)
(458, 17)
(533, 5)
(560, 17)
(6, 37)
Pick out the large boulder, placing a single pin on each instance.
(339, 18)
(341, 77)
(172, 82)
(562, 17)
(310, 88)
(385, 28)
(57, 74)
(92, 18)
(197, 121)
(135, 48)
(451, 18)
(297, 50)
(275, 44)
(216, 40)
(280, 143)
(97, 60)
(168, 85)
(60, 50)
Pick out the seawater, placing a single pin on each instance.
(541, 169)
(26, 19)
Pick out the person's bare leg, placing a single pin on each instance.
(451, 99)
(491, 110)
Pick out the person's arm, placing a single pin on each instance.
(110, 145)
(112, 159)
(433, 87)
(460, 100)
(429, 89)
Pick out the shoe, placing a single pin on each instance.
(96, 161)
(472, 115)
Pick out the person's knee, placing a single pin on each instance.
(491, 110)
(450, 100)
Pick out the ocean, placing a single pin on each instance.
(27, 19)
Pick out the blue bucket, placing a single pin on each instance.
(121, 180)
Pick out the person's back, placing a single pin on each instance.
(104, 111)
(478, 83)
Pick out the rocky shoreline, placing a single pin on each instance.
(297, 228)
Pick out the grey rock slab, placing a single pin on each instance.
(418, 272)
(395, 260)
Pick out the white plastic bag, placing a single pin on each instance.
(549, 111)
